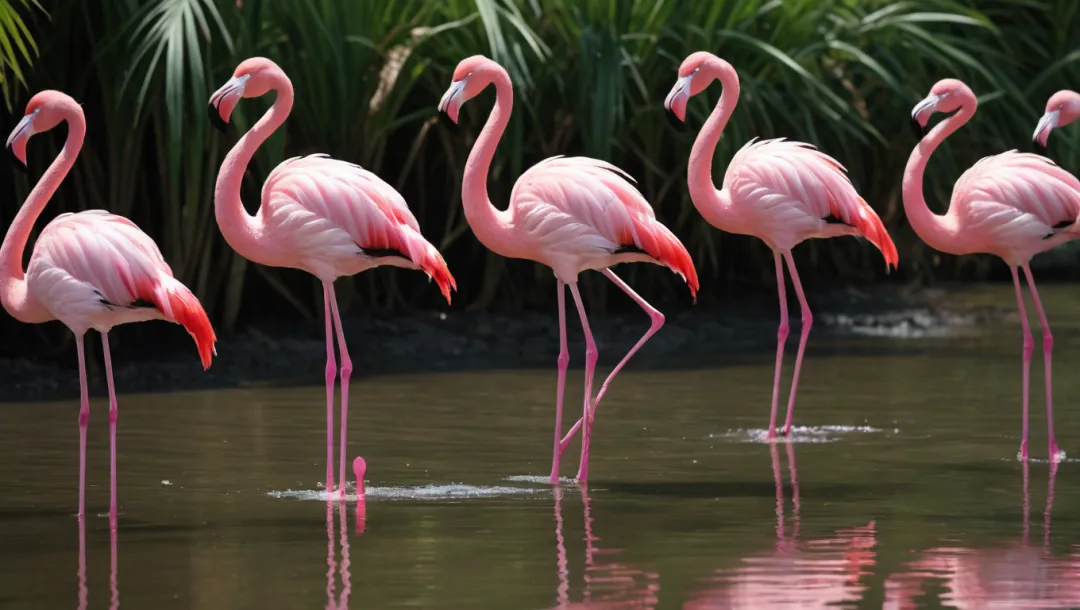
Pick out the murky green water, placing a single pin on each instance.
(904, 492)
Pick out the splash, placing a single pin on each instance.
(538, 479)
(799, 434)
(450, 491)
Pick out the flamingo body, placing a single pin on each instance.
(785, 192)
(332, 218)
(575, 213)
(1013, 205)
(96, 270)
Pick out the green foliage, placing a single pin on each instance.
(590, 76)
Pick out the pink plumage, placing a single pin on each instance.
(779, 191)
(786, 192)
(577, 213)
(1014, 205)
(95, 270)
(91, 270)
(571, 214)
(328, 217)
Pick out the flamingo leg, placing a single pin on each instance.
(807, 322)
(84, 421)
(331, 373)
(1029, 347)
(1048, 348)
(564, 361)
(591, 355)
(657, 321)
(346, 372)
(781, 339)
(114, 415)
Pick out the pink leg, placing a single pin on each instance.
(331, 373)
(84, 420)
(1048, 348)
(781, 339)
(1029, 346)
(657, 319)
(114, 415)
(591, 355)
(807, 322)
(346, 372)
(564, 361)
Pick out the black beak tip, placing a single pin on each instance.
(447, 123)
(674, 121)
(18, 163)
(215, 119)
(1038, 148)
(918, 128)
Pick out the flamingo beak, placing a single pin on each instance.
(224, 101)
(16, 142)
(451, 100)
(675, 102)
(359, 467)
(920, 115)
(1042, 131)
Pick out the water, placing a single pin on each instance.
(902, 491)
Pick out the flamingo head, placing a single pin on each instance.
(1061, 109)
(696, 72)
(471, 77)
(254, 77)
(947, 96)
(44, 111)
(359, 468)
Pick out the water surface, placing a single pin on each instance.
(902, 490)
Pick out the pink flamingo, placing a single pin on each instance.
(321, 215)
(90, 270)
(570, 214)
(778, 191)
(1013, 205)
(1061, 109)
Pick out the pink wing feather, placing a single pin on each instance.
(797, 187)
(576, 204)
(94, 270)
(325, 212)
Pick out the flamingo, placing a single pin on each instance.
(90, 270)
(779, 191)
(1013, 205)
(1061, 109)
(321, 215)
(570, 214)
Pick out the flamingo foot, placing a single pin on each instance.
(771, 436)
(1022, 455)
(1056, 455)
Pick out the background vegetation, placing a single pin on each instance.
(590, 77)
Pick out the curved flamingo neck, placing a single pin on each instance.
(491, 225)
(14, 293)
(699, 176)
(242, 231)
(934, 229)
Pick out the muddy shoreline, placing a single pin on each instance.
(159, 357)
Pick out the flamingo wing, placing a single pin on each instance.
(799, 191)
(326, 214)
(577, 206)
(1015, 197)
(95, 270)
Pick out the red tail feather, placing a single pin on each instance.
(434, 265)
(662, 245)
(871, 227)
(179, 305)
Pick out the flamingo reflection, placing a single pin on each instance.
(1014, 576)
(608, 584)
(114, 592)
(333, 568)
(816, 573)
